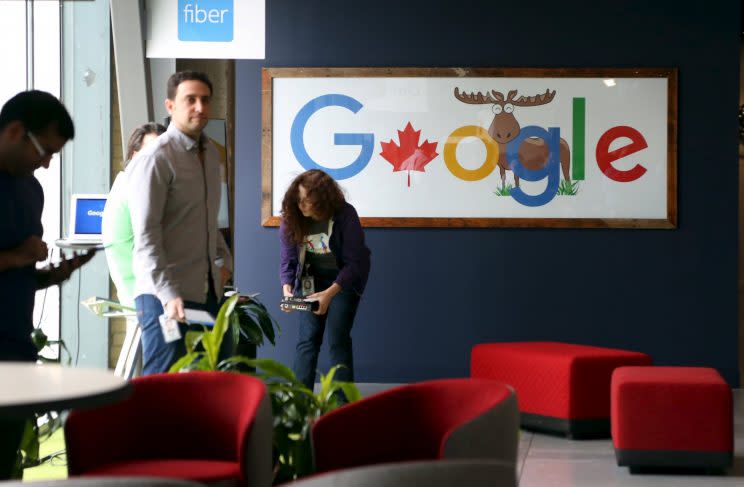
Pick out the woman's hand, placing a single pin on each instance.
(324, 298)
(287, 292)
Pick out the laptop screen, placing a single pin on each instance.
(88, 215)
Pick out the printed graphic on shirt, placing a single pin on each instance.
(317, 243)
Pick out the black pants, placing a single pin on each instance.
(11, 428)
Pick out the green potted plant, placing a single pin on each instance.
(249, 323)
(294, 406)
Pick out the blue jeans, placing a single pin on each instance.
(338, 320)
(158, 356)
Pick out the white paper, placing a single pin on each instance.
(199, 317)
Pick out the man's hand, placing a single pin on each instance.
(30, 251)
(63, 270)
(174, 309)
(225, 274)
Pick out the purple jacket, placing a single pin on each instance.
(347, 245)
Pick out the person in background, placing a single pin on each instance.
(323, 257)
(116, 226)
(178, 248)
(34, 125)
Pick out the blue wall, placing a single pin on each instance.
(434, 293)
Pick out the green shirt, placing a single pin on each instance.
(118, 240)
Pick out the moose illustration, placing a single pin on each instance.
(533, 152)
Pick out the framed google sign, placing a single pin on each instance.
(478, 147)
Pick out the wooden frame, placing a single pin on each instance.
(666, 217)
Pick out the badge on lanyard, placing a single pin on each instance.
(308, 282)
(170, 329)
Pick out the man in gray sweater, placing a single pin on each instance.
(174, 196)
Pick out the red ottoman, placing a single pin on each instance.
(561, 388)
(671, 417)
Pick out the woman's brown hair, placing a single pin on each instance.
(139, 134)
(323, 193)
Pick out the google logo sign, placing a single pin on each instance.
(533, 153)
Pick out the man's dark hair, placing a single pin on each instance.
(135, 140)
(37, 111)
(181, 76)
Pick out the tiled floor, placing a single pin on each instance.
(550, 461)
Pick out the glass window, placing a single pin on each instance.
(13, 33)
(33, 28)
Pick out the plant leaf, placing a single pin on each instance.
(267, 323)
(351, 391)
(235, 328)
(205, 365)
(29, 448)
(325, 383)
(242, 359)
(274, 368)
(251, 329)
(212, 339)
(192, 339)
(184, 364)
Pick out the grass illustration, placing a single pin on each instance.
(505, 191)
(568, 188)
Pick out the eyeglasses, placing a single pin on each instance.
(37, 145)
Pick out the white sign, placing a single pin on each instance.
(480, 147)
(206, 29)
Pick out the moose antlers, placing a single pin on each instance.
(522, 101)
(473, 98)
(531, 101)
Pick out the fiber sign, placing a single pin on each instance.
(223, 29)
(205, 20)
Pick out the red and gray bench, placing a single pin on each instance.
(671, 417)
(561, 388)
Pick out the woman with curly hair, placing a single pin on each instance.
(323, 257)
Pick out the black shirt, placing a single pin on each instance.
(21, 204)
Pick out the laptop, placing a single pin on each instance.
(86, 213)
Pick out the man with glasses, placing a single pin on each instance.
(34, 126)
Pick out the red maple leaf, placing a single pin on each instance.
(409, 156)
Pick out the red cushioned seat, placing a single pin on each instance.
(206, 471)
(671, 417)
(211, 427)
(439, 419)
(561, 387)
